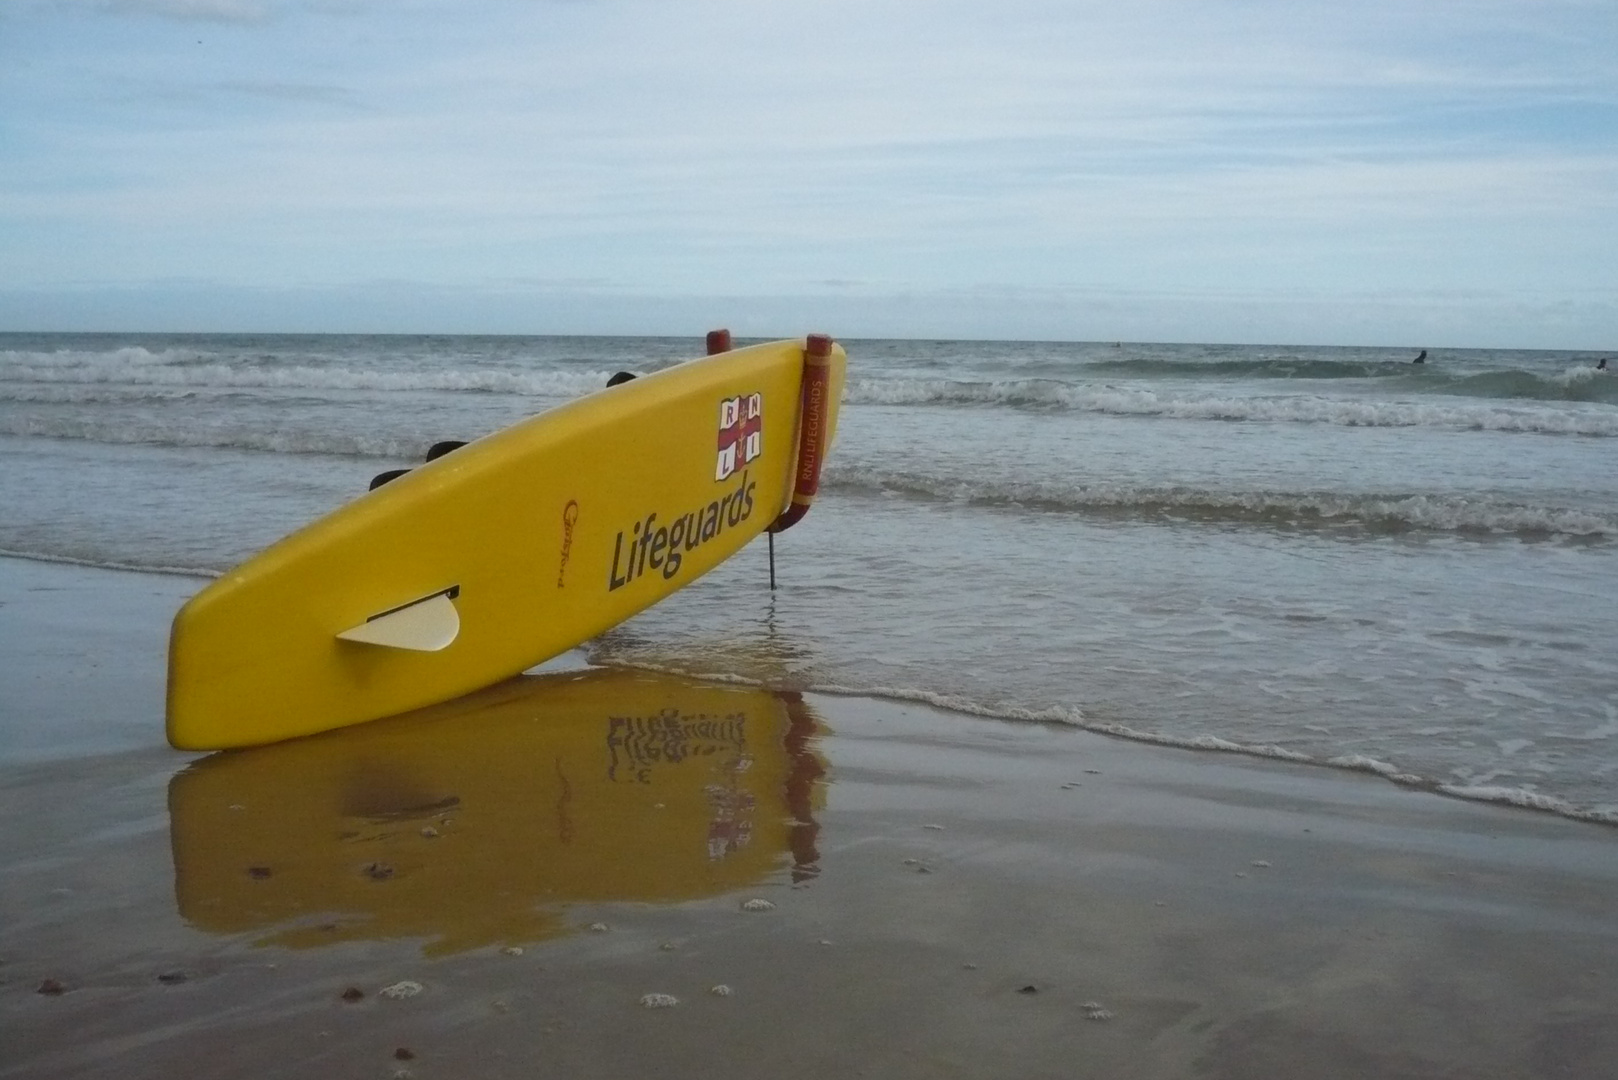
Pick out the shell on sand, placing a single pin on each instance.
(405, 988)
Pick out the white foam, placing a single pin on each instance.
(1530, 800)
(1575, 375)
(1202, 742)
(1362, 763)
(107, 564)
(185, 368)
(954, 703)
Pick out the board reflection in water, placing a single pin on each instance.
(477, 822)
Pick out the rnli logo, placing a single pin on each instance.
(741, 433)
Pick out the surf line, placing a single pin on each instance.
(663, 547)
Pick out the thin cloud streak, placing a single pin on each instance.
(219, 11)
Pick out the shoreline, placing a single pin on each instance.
(943, 895)
(1514, 797)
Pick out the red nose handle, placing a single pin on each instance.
(814, 413)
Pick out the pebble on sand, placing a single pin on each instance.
(352, 994)
(720, 991)
(404, 1053)
(598, 928)
(1094, 1010)
(659, 1001)
(512, 950)
(405, 988)
(758, 905)
(52, 988)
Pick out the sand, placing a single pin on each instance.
(944, 896)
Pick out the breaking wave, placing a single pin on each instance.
(137, 432)
(1256, 368)
(1048, 394)
(1574, 382)
(1375, 513)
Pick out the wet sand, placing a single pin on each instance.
(951, 896)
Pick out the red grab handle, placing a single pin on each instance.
(814, 413)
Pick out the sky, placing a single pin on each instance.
(1421, 173)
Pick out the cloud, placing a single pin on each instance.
(741, 148)
(218, 11)
(288, 91)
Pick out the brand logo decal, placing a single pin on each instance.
(741, 433)
(570, 515)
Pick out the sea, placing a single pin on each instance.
(1324, 555)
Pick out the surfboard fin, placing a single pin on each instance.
(425, 625)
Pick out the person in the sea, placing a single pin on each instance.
(1601, 365)
(1421, 358)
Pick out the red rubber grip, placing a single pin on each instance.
(815, 413)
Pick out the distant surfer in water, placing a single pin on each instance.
(1421, 358)
(1601, 365)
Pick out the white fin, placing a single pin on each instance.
(425, 626)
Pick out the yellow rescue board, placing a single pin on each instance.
(480, 821)
(497, 556)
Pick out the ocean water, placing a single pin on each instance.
(1323, 554)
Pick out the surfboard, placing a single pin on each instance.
(507, 551)
(480, 822)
